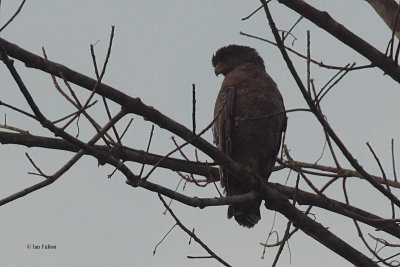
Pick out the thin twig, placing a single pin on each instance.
(309, 183)
(361, 235)
(391, 42)
(393, 162)
(270, 233)
(308, 62)
(383, 241)
(334, 83)
(383, 175)
(199, 257)
(73, 113)
(273, 115)
(319, 63)
(126, 128)
(171, 199)
(192, 179)
(377, 161)
(35, 166)
(13, 16)
(291, 29)
(194, 107)
(17, 110)
(99, 77)
(15, 129)
(94, 61)
(252, 13)
(396, 57)
(284, 240)
(162, 239)
(192, 234)
(147, 150)
(331, 79)
(327, 138)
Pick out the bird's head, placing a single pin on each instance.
(229, 57)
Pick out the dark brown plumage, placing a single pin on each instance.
(244, 128)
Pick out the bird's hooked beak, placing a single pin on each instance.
(218, 69)
(217, 72)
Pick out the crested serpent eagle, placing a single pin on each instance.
(249, 121)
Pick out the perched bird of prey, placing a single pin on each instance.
(250, 118)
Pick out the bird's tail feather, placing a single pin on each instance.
(246, 214)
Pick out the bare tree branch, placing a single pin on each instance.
(128, 103)
(280, 198)
(200, 168)
(312, 228)
(310, 102)
(323, 20)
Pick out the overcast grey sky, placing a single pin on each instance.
(160, 48)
